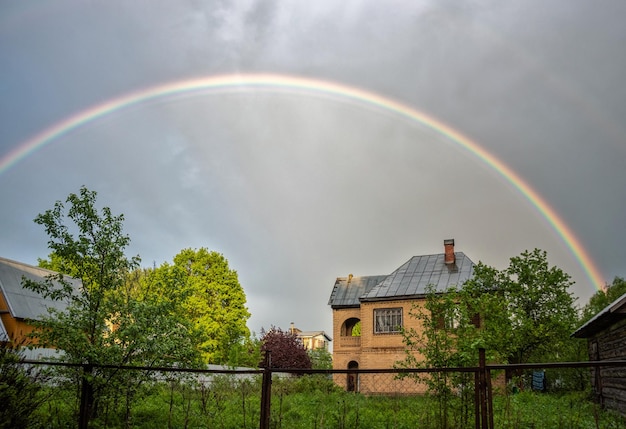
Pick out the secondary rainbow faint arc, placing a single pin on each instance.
(275, 81)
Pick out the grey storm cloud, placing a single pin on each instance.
(296, 189)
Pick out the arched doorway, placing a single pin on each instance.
(353, 378)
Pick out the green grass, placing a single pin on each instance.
(553, 411)
(315, 403)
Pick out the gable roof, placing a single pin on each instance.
(25, 303)
(612, 313)
(410, 280)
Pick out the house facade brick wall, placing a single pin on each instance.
(373, 350)
(376, 303)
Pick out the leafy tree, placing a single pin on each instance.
(321, 358)
(521, 314)
(212, 300)
(287, 351)
(603, 298)
(246, 353)
(527, 311)
(446, 338)
(103, 323)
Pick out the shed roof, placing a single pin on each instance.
(410, 280)
(611, 314)
(25, 303)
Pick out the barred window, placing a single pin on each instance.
(387, 320)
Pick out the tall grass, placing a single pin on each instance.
(312, 402)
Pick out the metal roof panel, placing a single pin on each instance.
(414, 276)
(25, 303)
(346, 291)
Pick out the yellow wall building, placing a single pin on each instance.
(19, 306)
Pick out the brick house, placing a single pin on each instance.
(369, 313)
(18, 306)
(606, 340)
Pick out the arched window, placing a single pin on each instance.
(351, 327)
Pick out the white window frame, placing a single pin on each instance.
(388, 320)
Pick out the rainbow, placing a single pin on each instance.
(276, 82)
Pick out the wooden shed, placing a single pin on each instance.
(606, 340)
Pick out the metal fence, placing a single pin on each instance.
(293, 398)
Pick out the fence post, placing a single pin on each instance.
(477, 395)
(484, 419)
(489, 398)
(86, 397)
(266, 392)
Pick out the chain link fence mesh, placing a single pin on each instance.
(538, 398)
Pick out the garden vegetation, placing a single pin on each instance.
(193, 312)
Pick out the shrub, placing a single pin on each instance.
(20, 389)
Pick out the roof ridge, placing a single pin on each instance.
(24, 264)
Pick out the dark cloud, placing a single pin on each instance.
(295, 189)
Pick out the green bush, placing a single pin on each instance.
(21, 390)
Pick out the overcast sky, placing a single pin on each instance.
(296, 188)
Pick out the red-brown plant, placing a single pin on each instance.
(286, 350)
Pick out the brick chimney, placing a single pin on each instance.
(448, 246)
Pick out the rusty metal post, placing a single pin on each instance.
(484, 418)
(266, 392)
(477, 399)
(489, 392)
(86, 398)
(482, 389)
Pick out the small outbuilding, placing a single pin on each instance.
(20, 306)
(606, 340)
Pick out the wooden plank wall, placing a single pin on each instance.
(609, 384)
